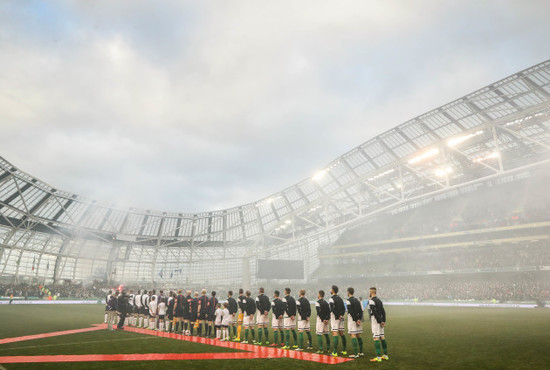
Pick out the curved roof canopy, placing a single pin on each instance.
(495, 129)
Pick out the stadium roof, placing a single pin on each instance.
(496, 130)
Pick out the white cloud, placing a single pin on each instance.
(200, 105)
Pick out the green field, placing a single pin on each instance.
(418, 338)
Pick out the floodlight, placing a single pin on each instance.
(425, 155)
(460, 139)
(319, 175)
(441, 172)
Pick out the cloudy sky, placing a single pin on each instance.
(199, 105)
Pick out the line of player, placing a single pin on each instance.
(183, 314)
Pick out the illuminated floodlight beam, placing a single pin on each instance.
(267, 201)
(459, 140)
(489, 156)
(427, 154)
(381, 174)
(441, 172)
(319, 175)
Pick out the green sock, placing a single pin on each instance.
(377, 347)
(294, 335)
(344, 342)
(287, 337)
(246, 334)
(308, 338)
(266, 332)
(275, 336)
(335, 344)
(282, 337)
(360, 341)
(253, 334)
(320, 341)
(301, 340)
(384, 346)
(260, 332)
(235, 331)
(355, 346)
(327, 339)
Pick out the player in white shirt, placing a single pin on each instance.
(106, 306)
(107, 297)
(226, 321)
(162, 313)
(130, 317)
(218, 321)
(145, 299)
(139, 316)
(153, 305)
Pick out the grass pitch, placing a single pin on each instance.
(418, 338)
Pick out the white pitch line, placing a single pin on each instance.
(76, 343)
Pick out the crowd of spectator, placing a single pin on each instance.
(464, 290)
(507, 256)
(516, 288)
(66, 290)
(505, 205)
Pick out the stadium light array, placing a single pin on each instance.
(319, 175)
(441, 172)
(381, 174)
(427, 154)
(460, 139)
(488, 156)
(267, 201)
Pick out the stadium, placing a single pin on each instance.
(448, 208)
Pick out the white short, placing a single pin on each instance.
(321, 327)
(336, 325)
(232, 319)
(290, 323)
(261, 319)
(218, 321)
(247, 322)
(303, 325)
(377, 329)
(353, 328)
(276, 323)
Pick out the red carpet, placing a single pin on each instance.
(253, 352)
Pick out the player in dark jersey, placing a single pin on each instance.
(323, 319)
(178, 312)
(337, 312)
(210, 315)
(170, 310)
(233, 309)
(187, 303)
(304, 312)
(277, 318)
(264, 306)
(355, 321)
(203, 312)
(378, 323)
(249, 311)
(290, 319)
(242, 303)
(194, 310)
